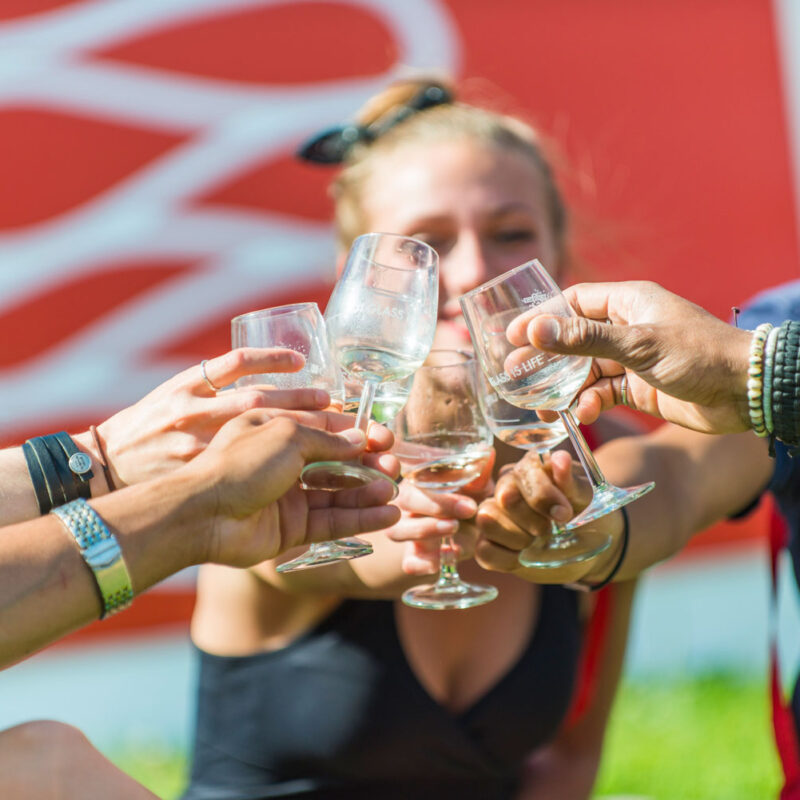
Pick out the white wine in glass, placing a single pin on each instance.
(443, 443)
(524, 429)
(381, 318)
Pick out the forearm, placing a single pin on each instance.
(17, 497)
(700, 479)
(554, 773)
(47, 590)
(378, 576)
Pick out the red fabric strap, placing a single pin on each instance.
(592, 653)
(783, 723)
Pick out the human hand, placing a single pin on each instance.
(681, 363)
(255, 506)
(177, 420)
(428, 517)
(527, 498)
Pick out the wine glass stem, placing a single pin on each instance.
(582, 449)
(365, 405)
(448, 568)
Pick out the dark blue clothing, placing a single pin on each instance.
(777, 305)
(339, 713)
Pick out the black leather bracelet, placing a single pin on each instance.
(79, 464)
(595, 587)
(37, 478)
(52, 480)
(785, 390)
(69, 486)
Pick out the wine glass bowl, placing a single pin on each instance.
(443, 443)
(381, 319)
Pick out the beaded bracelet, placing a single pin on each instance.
(769, 365)
(755, 376)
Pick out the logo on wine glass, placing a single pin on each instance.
(536, 298)
(516, 371)
(385, 312)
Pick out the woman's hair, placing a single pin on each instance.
(444, 121)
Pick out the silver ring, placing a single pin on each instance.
(624, 389)
(206, 378)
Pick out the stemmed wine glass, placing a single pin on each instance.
(299, 327)
(443, 443)
(381, 318)
(531, 378)
(390, 397)
(525, 429)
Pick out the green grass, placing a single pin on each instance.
(704, 739)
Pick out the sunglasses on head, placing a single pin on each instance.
(332, 145)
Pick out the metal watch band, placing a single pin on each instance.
(101, 552)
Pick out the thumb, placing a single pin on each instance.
(319, 445)
(581, 336)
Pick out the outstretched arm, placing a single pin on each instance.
(237, 503)
(682, 363)
(700, 479)
(166, 428)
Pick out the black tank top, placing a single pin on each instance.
(339, 713)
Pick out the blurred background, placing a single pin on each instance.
(148, 193)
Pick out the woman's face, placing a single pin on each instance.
(480, 207)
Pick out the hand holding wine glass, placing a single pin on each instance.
(301, 328)
(524, 428)
(443, 444)
(531, 378)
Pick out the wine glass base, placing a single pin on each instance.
(440, 596)
(562, 549)
(335, 476)
(606, 499)
(327, 553)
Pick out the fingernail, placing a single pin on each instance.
(466, 507)
(546, 330)
(354, 436)
(447, 526)
(559, 513)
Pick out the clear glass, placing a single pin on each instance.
(390, 398)
(524, 429)
(443, 443)
(381, 318)
(301, 328)
(530, 378)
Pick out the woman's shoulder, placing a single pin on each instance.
(238, 612)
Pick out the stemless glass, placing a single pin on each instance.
(443, 443)
(381, 318)
(531, 378)
(525, 429)
(301, 328)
